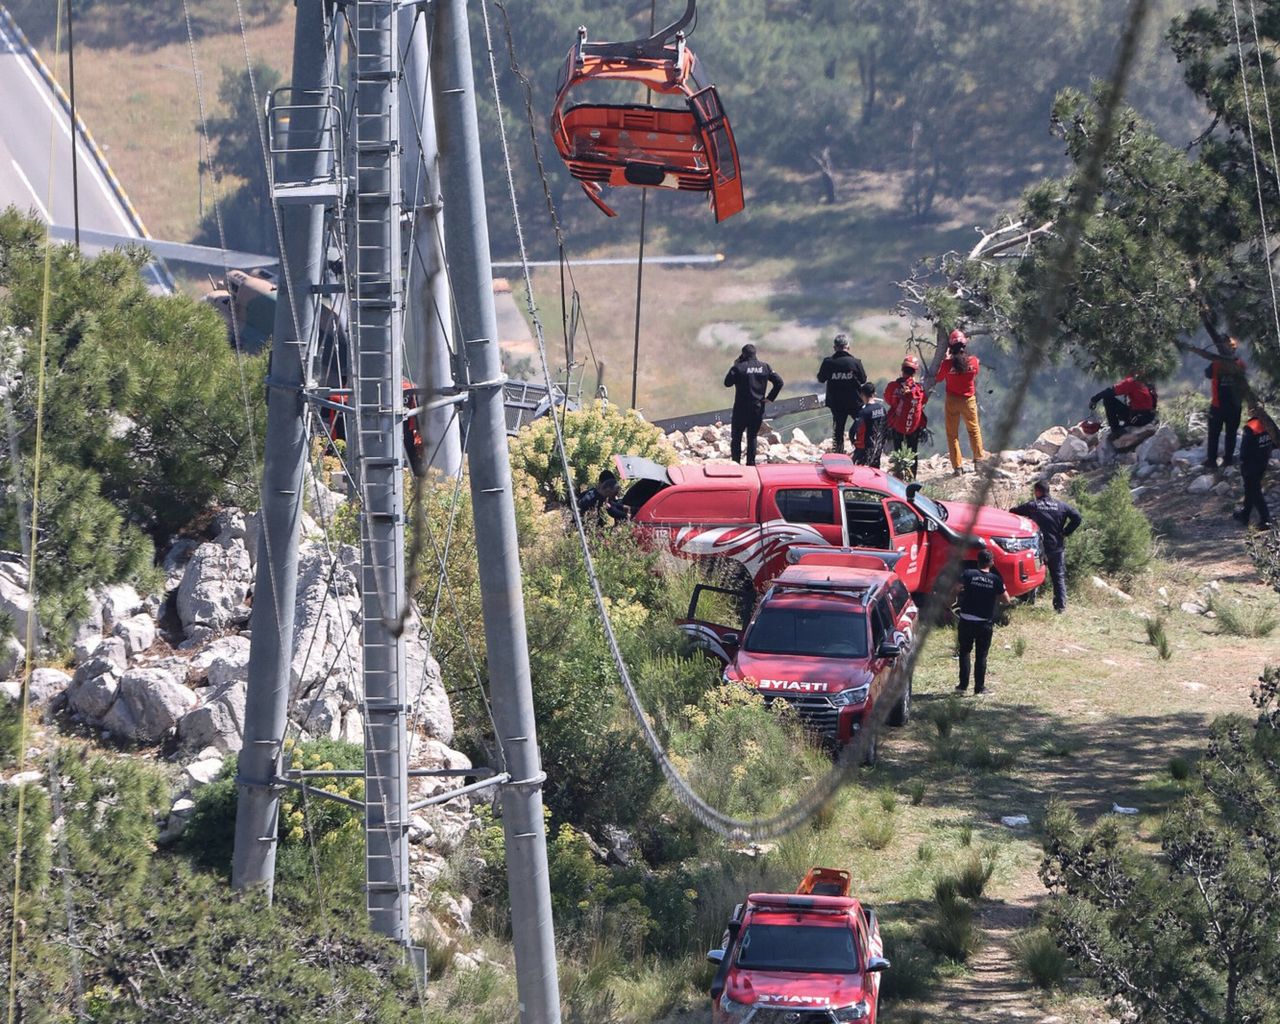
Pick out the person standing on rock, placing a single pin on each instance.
(982, 591)
(843, 375)
(1256, 446)
(959, 372)
(1129, 403)
(750, 378)
(1226, 380)
(869, 429)
(1057, 521)
(905, 398)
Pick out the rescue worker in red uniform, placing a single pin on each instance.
(905, 398)
(869, 429)
(750, 378)
(1129, 403)
(843, 374)
(959, 371)
(1256, 446)
(1226, 396)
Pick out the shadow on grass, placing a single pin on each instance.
(1089, 765)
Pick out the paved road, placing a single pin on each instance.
(34, 132)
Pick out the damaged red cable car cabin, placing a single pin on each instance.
(689, 148)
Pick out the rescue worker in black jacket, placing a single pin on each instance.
(751, 379)
(1057, 521)
(844, 376)
(603, 498)
(1256, 446)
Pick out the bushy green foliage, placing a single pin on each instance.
(952, 933)
(148, 419)
(209, 837)
(1188, 936)
(1115, 538)
(592, 437)
(1251, 619)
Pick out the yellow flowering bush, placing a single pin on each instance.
(592, 437)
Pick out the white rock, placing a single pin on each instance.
(1072, 450)
(352, 730)
(1191, 608)
(1139, 492)
(23, 778)
(214, 586)
(1160, 447)
(13, 658)
(14, 599)
(225, 660)
(218, 720)
(230, 523)
(1050, 440)
(428, 703)
(156, 701)
(321, 716)
(1202, 484)
(87, 631)
(326, 626)
(84, 648)
(1130, 439)
(201, 773)
(111, 655)
(137, 631)
(119, 601)
(175, 561)
(798, 436)
(1117, 809)
(1100, 584)
(92, 697)
(1015, 821)
(1185, 458)
(46, 684)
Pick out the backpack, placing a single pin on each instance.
(906, 414)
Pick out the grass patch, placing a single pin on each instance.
(1236, 619)
(952, 934)
(971, 878)
(1019, 646)
(1158, 638)
(916, 791)
(1042, 961)
(1179, 769)
(888, 801)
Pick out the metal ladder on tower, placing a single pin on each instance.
(377, 304)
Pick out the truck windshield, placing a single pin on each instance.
(922, 502)
(798, 947)
(826, 633)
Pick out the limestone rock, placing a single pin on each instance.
(428, 703)
(47, 684)
(13, 658)
(111, 655)
(214, 586)
(137, 631)
(175, 562)
(326, 626)
(155, 700)
(1160, 447)
(92, 697)
(1202, 484)
(14, 599)
(1185, 458)
(1050, 440)
(218, 719)
(203, 772)
(222, 661)
(798, 436)
(118, 602)
(1071, 450)
(321, 716)
(1133, 437)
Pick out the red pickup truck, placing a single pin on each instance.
(825, 638)
(755, 515)
(810, 957)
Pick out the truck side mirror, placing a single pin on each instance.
(888, 649)
(715, 956)
(732, 639)
(876, 964)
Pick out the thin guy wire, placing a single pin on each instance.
(1062, 269)
(32, 551)
(1257, 171)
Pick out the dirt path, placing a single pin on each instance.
(993, 989)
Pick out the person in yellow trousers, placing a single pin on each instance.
(959, 373)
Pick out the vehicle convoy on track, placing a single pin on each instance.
(753, 516)
(825, 638)
(810, 957)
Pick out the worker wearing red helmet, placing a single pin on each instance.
(959, 373)
(906, 398)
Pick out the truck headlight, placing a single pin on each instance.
(1015, 544)
(735, 1010)
(856, 695)
(858, 1011)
